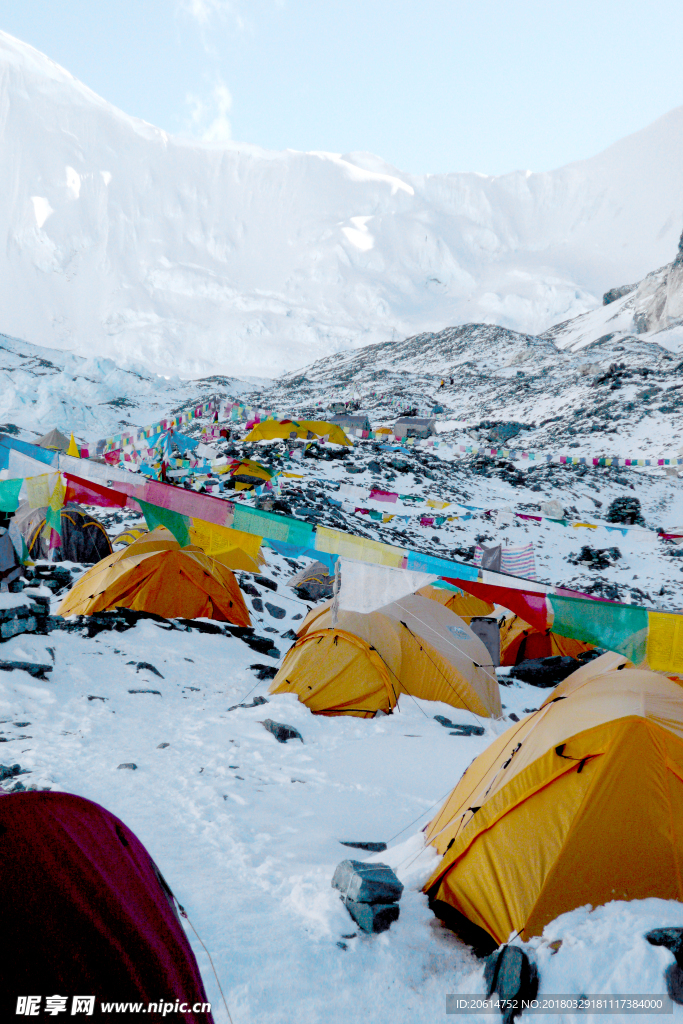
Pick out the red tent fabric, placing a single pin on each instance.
(84, 912)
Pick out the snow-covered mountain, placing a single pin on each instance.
(192, 258)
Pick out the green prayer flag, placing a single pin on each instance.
(272, 526)
(54, 519)
(9, 494)
(176, 523)
(616, 627)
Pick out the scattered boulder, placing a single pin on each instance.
(512, 976)
(461, 730)
(150, 668)
(467, 730)
(261, 644)
(162, 746)
(370, 847)
(264, 672)
(275, 610)
(672, 939)
(128, 764)
(158, 692)
(12, 771)
(280, 731)
(625, 510)
(263, 581)
(545, 672)
(370, 893)
(372, 917)
(596, 558)
(35, 669)
(256, 702)
(366, 882)
(201, 627)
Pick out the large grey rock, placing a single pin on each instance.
(545, 672)
(512, 976)
(372, 917)
(367, 883)
(275, 610)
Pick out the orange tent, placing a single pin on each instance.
(154, 574)
(519, 641)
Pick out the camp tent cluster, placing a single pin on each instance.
(581, 802)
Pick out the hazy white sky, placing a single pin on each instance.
(429, 85)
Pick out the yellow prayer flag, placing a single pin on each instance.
(437, 504)
(234, 548)
(665, 642)
(39, 489)
(359, 549)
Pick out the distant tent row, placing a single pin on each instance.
(363, 663)
(271, 430)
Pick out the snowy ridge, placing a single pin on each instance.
(194, 258)
(42, 388)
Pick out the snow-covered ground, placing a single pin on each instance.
(247, 831)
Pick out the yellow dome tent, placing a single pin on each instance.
(610, 661)
(272, 430)
(155, 574)
(467, 606)
(248, 473)
(580, 802)
(363, 664)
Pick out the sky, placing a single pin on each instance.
(431, 86)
